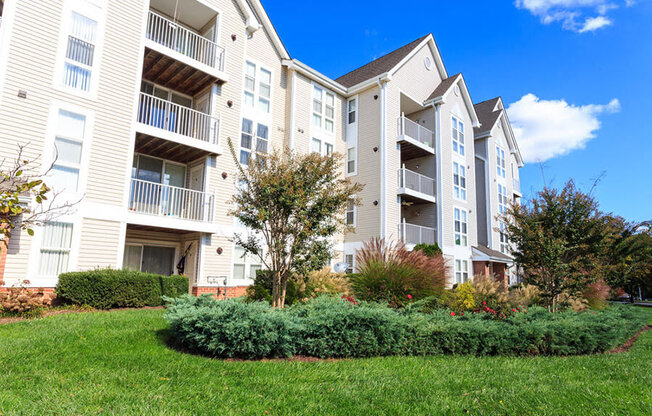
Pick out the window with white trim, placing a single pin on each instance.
(461, 271)
(504, 244)
(245, 265)
(350, 212)
(321, 148)
(351, 161)
(502, 199)
(352, 110)
(458, 136)
(349, 259)
(315, 146)
(500, 162)
(328, 149)
(461, 227)
(68, 142)
(55, 248)
(82, 32)
(323, 109)
(459, 181)
(257, 87)
(247, 139)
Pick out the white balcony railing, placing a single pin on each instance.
(414, 130)
(416, 182)
(170, 201)
(416, 234)
(176, 118)
(173, 36)
(516, 185)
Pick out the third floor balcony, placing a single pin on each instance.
(415, 187)
(415, 140)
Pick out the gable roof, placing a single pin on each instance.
(255, 18)
(379, 66)
(481, 252)
(438, 96)
(487, 114)
(444, 86)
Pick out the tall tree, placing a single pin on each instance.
(557, 237)
(291, 204)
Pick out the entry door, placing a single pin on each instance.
(159, 260)
(197, 200)
(203, 123)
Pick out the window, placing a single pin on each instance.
(461, 235)
(80, 52)
(68, 142)
(315, 146)
(247, 140)
(459, 181)
(504, 245)
(323, 109)
(349, 259)
(461, 271)
(500, 162)
(502, 199)
(458, 136)
(245, 265)
(352, 110)
(328, 149)
(55, 248)
(351, 161)
(260, 93)
(350, 212)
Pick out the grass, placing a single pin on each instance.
(118, 363)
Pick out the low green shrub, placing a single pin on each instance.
(430, 250)
(332, 327)
(261, 290)
(108, 288)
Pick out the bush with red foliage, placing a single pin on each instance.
(389, 272)
(596, 294)
(21, 301)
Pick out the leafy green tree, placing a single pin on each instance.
(292, 204)
(557, 238)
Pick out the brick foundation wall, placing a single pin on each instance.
(218, 292)
(3, 257)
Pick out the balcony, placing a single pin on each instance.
(415, 187)
(415, 140)
(516, 187)
(177, 205)
(184, 126)
(179, 58)
(416, 234)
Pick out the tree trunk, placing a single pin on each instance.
(276, 286)
(284, 291)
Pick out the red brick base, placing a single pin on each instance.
(3, 257)
(498, 270)
(218, 292)
(49, 290)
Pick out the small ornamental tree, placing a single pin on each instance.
(557, 238)
(291, 204)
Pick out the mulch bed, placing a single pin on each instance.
(626, 346)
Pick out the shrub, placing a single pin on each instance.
(596, 294)
(463, 298)
(524, 296)
(430, 250)
(324, 282)
(107, 288)
(261, 290)
(389, 272)
(24, 302)
(332, 327)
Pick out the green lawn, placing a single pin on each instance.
(118, 363)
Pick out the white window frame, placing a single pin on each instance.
(500, 162)
(256, 93)
(459, 146)
(463, 220)
(461, 271)
(502, 236)
(459, 175)
(316, 141)
(502, 198)
(255, 139)
(351, 268)
(61, 250)
(353, 212)
(353, 111)
(248, 262)
(96, 12)
(352, 151)
(321, 113)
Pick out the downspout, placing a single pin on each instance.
(293, 84)
(382, 81)
(440, 209)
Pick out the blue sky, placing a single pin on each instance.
(587, 65)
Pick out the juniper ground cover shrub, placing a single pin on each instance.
(335, 327)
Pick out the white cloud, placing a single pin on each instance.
(546, 129)
(572, 13)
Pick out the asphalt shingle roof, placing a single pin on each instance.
(486, 114)
(444, 86)
(493, 253)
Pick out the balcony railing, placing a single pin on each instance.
(178, 119)
(416, 182)
(173, 36)
(416, 234)
(516, 185)
(414, 130)
(170, 201)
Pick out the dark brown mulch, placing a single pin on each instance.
(626, 346)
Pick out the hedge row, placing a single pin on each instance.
(329, 327)
(107, 288)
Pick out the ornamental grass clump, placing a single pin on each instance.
(389, 272)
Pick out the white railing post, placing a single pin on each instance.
(404, 230)
(403, 124)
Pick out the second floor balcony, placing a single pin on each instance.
(415, 187)
(415, 140)
(416, 234)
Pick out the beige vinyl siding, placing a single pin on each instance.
(303, 114)
(99, 244)
(17, 264)
(217, 265)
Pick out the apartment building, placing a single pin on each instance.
(133, 104)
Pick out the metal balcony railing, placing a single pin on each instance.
(416, 234)
(170, 201)
(414, 130)
(416, 182)
(176, 118)
(172, 35)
